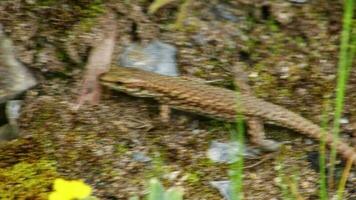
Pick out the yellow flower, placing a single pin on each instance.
(69, 190)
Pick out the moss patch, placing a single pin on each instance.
(27, 180)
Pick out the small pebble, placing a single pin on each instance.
(253, 75)
(224, 12)
(172, 176)
(344, 120)
(196, 131)
(140, 157)
(13, 108)
(309, 141)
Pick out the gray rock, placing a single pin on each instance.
(13, 108)
(14, 76)
(228, 152)
(11, 130)
(224, 12)
(224, 188)
(8, 132)
(14, 80)
(156, 57)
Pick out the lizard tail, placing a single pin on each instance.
(346, 151)
(288, 119)
(314, 131)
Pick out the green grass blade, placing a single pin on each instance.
(342, 77)
(323, 192)
(236, 169)
(343, 180)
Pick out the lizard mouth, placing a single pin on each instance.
(134, 91)
(120, 87)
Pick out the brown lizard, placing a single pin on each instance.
(215, 102)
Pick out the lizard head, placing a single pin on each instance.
(119, 75)
(127, 80)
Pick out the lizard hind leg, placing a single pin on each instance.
(255, 124)
(257, 135)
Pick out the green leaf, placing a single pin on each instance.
(134, 198)
(175, 193)
(156, 190)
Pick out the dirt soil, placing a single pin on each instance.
(289, 50)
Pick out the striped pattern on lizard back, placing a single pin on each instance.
(207, 100)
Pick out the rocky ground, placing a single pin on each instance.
(288, 49)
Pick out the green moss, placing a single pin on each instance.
(278, 46)
(46, 2)
(205, 162)
(121, 149)
(90, 14)
(285, 92)
(63, 15)
(251, 44)
(193, 177)
(182, 14)
(27, 180)
(95, 8)
(267, 82)
(199, 73)
(86, 24)
(272, 25)
(300, 41)
(158, 166)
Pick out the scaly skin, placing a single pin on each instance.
(215, 102)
